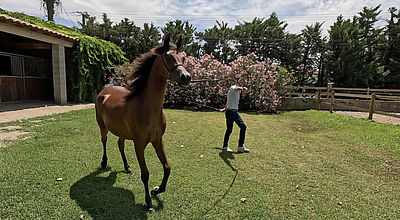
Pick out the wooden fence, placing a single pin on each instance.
(355, 99)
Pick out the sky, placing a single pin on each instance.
(203, 14)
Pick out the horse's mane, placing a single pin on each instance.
(142, 68)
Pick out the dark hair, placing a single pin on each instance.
(143, 65)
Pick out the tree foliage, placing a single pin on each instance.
(264, 37)
(372, 40)
(344, 60)
(355, 53)
(391, 50)
(218, 42)
(132, 39)
(313, 45)
(186, 31)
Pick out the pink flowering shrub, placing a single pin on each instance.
(265, 82)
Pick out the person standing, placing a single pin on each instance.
(232, 115)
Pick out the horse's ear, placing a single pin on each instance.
(179, 43)
(166, 40)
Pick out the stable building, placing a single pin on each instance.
(32, 61)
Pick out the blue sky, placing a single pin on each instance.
(203, 13)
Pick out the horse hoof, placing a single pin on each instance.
(129, 171)
(152, 209)
(103, 164)
(154, 191)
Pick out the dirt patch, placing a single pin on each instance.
(11, 127)
(10, 133)
(15, 112)
(376, 117)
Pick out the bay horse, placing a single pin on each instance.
(136, 112)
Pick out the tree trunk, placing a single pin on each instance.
(321, 71)
(50, 9)
(305, 58)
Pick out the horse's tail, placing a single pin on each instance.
(99, 109)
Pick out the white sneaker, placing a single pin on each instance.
(242, 149)
(227, 149)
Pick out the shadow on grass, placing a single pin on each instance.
(97, 195)
(226, 157)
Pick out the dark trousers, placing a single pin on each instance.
(233, 116)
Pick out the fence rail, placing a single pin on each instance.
(343, 97)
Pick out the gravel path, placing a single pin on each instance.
(17, 111)
(12, 112)
(375, 117)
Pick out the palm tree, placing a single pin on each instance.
(50, 5)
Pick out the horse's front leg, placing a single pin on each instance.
(139, 149)
(160, 150)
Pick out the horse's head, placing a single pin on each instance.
(173, 60)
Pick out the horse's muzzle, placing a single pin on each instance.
(185, 78)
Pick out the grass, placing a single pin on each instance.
(302, 165)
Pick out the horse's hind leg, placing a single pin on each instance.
(139, 149)
(104, 141)
(160, 150)
(121, 146)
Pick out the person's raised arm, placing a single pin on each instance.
(241, 88)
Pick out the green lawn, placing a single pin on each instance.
(302, 165)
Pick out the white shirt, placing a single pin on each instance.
(232, 100)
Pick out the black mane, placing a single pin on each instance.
(143, 65)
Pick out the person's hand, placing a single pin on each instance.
(245, 88)
(222, 109)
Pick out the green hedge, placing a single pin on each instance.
(91, 59)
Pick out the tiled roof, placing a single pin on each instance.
(7, 19)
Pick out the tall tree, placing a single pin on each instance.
(391, 51)
(50, 6)
(149, 37)
(312, 44)
(89, 25)
(344, 60)
(372, 41)
(188, 33)
(290, 52)
(126, 35)
(267, 38)
(261, 36)
(218, 42)
(106, 29)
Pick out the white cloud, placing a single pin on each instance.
(203, 13)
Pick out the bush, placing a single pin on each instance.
(266, 83)
(92, 61)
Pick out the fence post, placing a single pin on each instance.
(332, 100)
(319, 100)
(372, 106)
(368, 91)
